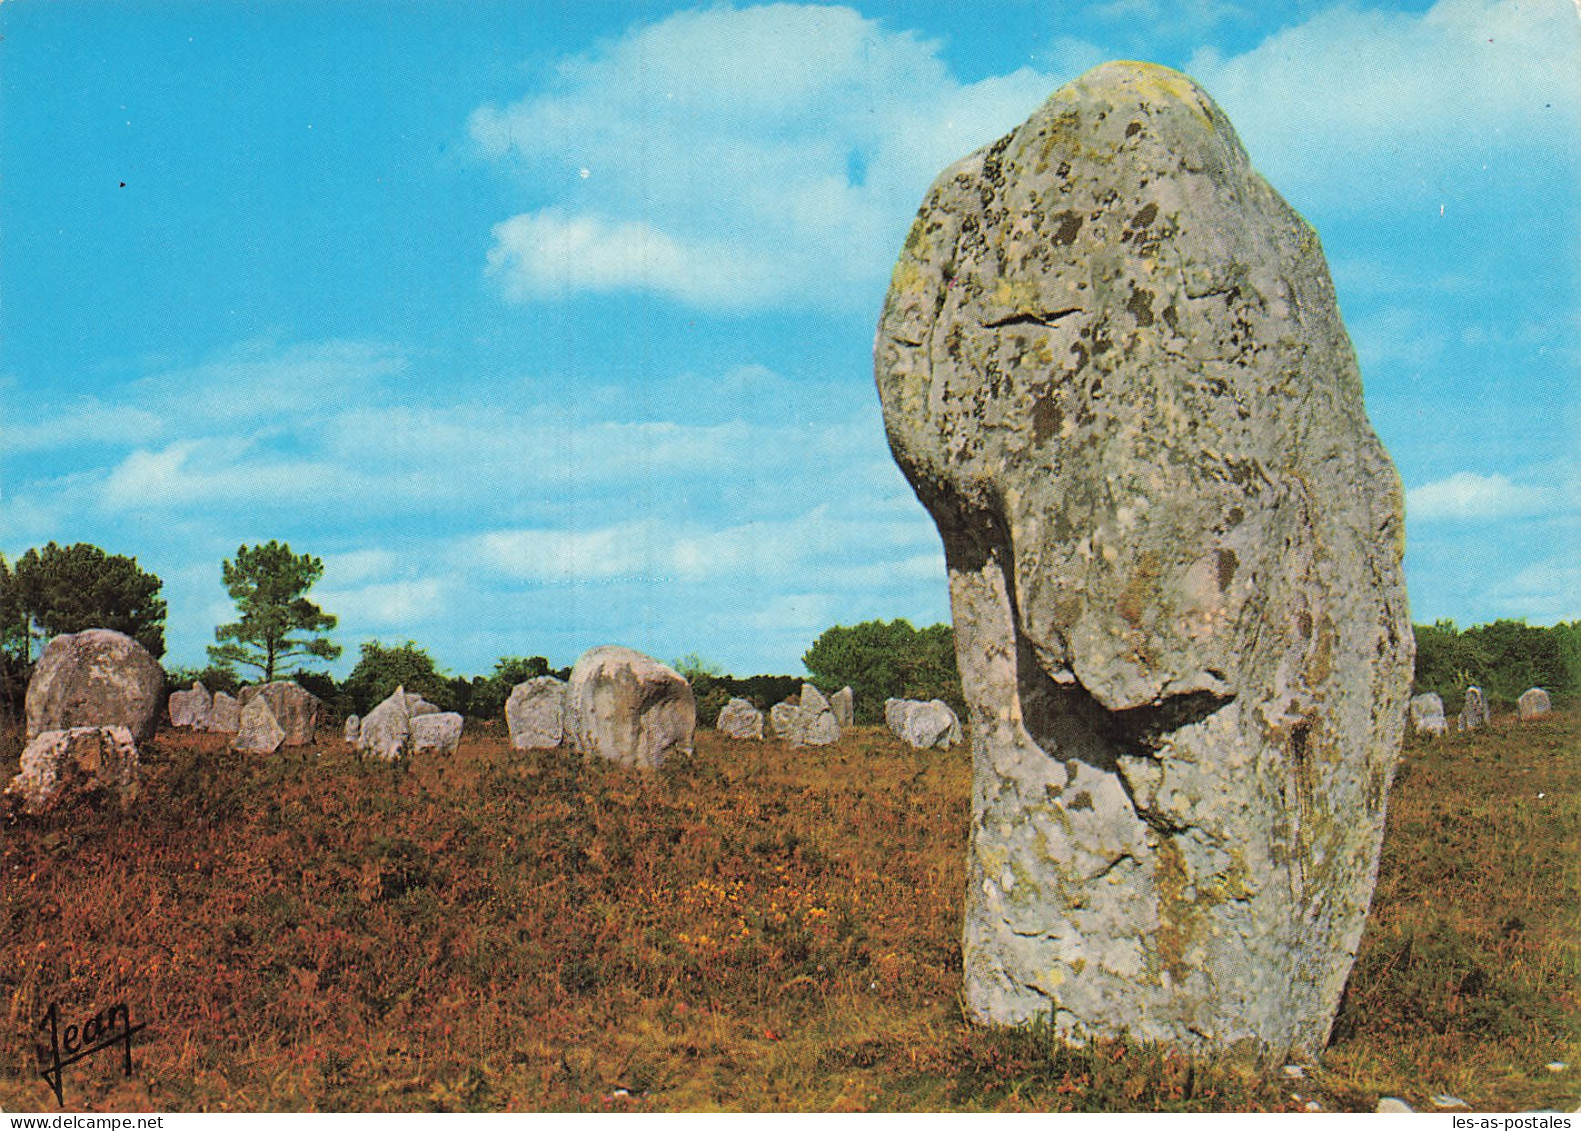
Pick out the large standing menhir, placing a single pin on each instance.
(1113, 368)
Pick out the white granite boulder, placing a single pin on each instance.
(923, 725)
(629, 708)
(535, 713)
(1534, 703)
(1474, 713)
(295, 708)
(740, 719)
(95, 678)
(437, 732)
(1427, 715)
(61, 767)
(386, 731)
(843, 704)
(225, 714)
(809, 721)
(191, 708)
(260, 731)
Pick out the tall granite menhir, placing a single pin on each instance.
(1113, 369)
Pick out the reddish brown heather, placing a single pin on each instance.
(749, 927)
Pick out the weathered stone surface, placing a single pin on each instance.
(1474, 713)
(535, 713)
(629, 708)
(843, 704)
(782, 718)
(261, 732)
(416, 705)
(191, 708)
(1427, 714)
(1534, 703)
(922, 726)
(436, 732)
(740, 719)
(809, 721)
(225, 714)
(62, 767)
(1113, 369)
(294, 707)
(95, 678)
(353, 730)
(386, 732)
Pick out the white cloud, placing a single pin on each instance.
(221, 473)
(1355, 101)
(1467, 496)
(738, 157)
(386, 605)
(549, 254)
(841, 551)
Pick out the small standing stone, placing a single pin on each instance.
(809, 721)
(59, 767)
(225, 714)
(1534, 703)
(295, 708)
(438, 732)
(386, 733)
(1427, 715)
(843, 704)
(261, 732)
(1475, 713)
(191, 708)
(740, 719)
(923, 726)
(535, 713)
(353, 730)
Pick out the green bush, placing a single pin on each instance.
(381, 670)
(883, 660)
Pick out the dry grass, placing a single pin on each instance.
(753, 927)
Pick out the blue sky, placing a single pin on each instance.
(548, 325)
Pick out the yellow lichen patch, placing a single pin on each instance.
(1153, 80)
(1175, 915)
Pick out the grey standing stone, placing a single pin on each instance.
(353, 730)
(1427, 714)
(1474, 713)
(62, 767)
(295, 708)
(809, 721)
(1113, 369)
(1534, 703)
(740, 719)
(387, 730)
(535, 713)
(629, 708)
(437, 732)
(225, 714)
(843, 704)
(95, 678)
(261, 732)
(191, 708)
(923, 726)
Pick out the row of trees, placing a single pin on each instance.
(1503, 658)
(59, 589)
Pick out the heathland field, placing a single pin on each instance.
(752, 927)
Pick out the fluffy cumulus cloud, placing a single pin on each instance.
(1468, 496)
(735, 157)
(1356, 102)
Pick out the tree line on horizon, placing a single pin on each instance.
(56, 590)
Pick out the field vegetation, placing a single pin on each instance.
(751, 927)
